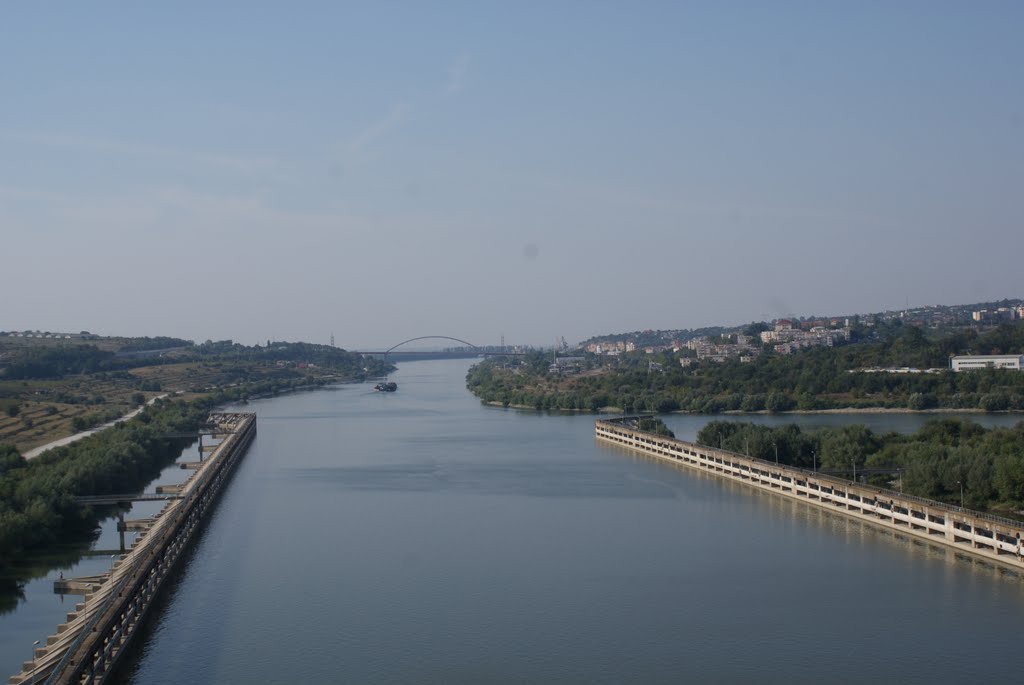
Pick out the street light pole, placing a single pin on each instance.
(33, 660)
(776, 446)
(961, 484)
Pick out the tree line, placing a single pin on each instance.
(65, 360)
(934, 462)
(37, 506)
(817, 378)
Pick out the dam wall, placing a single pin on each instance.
(978, 534)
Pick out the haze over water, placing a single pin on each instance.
(422, 537)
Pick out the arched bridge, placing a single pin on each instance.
(472, 351)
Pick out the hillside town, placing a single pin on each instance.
(784, 336)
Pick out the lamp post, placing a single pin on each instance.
(961, 484)
(776, 446)
(814, 461)
(33, 659)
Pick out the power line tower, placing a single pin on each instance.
(332, 338)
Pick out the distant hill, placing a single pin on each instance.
(936, 317)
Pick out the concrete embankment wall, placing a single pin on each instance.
(981, 535)
(87, 648)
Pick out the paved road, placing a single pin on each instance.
(84, 434)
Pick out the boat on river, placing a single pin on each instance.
(386, 387)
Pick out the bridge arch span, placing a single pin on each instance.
(429, 337)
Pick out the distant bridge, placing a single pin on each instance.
(474, 351)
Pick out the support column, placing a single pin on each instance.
(120, 527)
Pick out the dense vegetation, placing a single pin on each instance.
(160, 342)
(36, 505)
(935, 460)
(818, 378)
(36, 497)
(54, 362)
(308, 353)
(30, 362)
(652, 424)
(649, 337)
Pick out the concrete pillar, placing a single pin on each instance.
(120, 527)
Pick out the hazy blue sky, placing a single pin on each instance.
(532, 169)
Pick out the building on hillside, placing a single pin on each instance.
(609, 348)
(566, 366)
(800, 339)
(995, 315)
(987, 361)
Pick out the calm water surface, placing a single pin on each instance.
(421, 537)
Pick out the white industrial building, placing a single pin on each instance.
(987, 361)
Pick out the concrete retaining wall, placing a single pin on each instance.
(88, 647)
(981, 535)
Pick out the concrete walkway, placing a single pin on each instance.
(31, 454)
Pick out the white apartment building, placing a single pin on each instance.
(985, 361)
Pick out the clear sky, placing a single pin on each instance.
(534, 169)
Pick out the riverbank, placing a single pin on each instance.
(865, 410)
(54, 405)
(812, 380)
(848, 411)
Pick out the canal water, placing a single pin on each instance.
(422, 537)
(30, 610)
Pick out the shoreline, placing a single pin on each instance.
(872, 410)
(762, 412)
